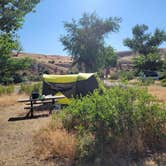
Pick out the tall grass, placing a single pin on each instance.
(56, 144)
(29, 88)
(6, 89)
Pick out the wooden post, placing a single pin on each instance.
(51, 108)
(31, 110)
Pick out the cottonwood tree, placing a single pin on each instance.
(144, 42)
(84, 40)
(146, 46)
(12, 14)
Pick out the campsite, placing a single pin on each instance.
(84, 86)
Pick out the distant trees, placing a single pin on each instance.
(143, 42)
(12, 14)
(109, 57)
(151, 61)
(85, 41)
(146, 45)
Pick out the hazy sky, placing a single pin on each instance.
(42, 29)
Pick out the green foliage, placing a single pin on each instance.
(164, 64)
(9, 68)
(85, 40)
(12, 13)
(163, 82)
(114, 115)
(146, 82)
(145, 43)
(149, 62)
(126, 75)
(29, 88)
(6, 89)
(109, 57)
(123, 75)
(8, 43)
(162, 75)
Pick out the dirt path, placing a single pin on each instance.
(16, 137)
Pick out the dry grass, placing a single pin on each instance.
(158, 91)
(57, 144)
(10, 99)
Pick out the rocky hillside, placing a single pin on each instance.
(49, 63)
(125, 57)
(59, 64)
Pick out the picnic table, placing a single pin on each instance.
(47, 101)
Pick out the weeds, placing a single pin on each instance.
(55, 144)
(29, 88)
(6, 89)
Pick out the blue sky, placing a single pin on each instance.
(41, 30)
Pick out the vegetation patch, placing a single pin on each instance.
(29, 88)
(120, 121)
(163, 82)
(6, 89)
(58, 145)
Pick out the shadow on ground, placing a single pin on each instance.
(28, 118)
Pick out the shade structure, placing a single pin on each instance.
(73, 85)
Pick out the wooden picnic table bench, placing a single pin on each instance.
(47, 101)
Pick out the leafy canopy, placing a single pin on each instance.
(84, 39)
(12, 13)
(151, 61)
(144, 42)
(110, 57)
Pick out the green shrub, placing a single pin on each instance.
(29, 88)
(127, 120)
(126, 75)
(146, 81)
(162, 75)
(6, 89)
(123, 75)
(163, 82)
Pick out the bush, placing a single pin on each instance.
(6, 89)
(163, 82)
(146, 81)
(162, 75)
(123, 75)
(126, 75)
(119, 120)
(29, 88)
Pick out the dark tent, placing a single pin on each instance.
(69, 85)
